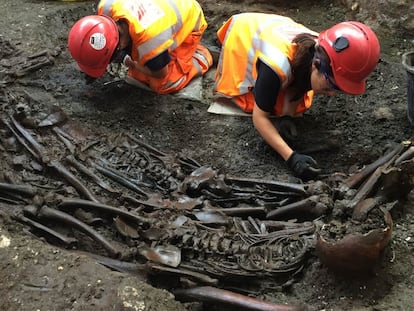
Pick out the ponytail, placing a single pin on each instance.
(302, 64)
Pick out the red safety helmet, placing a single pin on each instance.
(92, 40)
(354, 51)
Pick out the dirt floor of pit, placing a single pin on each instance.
(36, 276)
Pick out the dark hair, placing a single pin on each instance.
(323, 58)
(302, 64)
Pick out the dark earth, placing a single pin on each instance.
(342, 133)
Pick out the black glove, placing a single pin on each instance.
(303, 166)
(287, 128)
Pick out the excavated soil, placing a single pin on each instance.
(342, 133)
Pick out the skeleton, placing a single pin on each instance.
(185, 217)
(15, 64)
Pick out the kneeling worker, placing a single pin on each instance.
(270, 64)
(158, 40)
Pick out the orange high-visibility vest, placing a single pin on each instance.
(247, 37)
(159, 25)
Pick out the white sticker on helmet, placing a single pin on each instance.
(97, 41)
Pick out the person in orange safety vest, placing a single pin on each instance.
(158, 40)
(270, 64)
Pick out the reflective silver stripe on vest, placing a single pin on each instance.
(199, 57)
(174, 84)
(277, 56)
(183, 79)
(198, 66)
(270, 51)
(106, 8)
(153, 43)
(248, 80)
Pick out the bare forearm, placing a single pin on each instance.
(271, 135)
(273, 138)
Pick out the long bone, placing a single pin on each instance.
(221, 296)
(37, 147)
(25, 190)
(159, 154)
(200, 277)
(117, 177)
(284, 186)
(11, 199)
(408, 154)
(367, 187)
(21, 140)
(34, 64)
(308, 205)
(71, 147)
(75, 182)
(144, 269)
(50, 213)
(241, 211)
(151, 148)
(359, 177)
(83, 169)
(62, 238)
(71, 203)
(37, 151)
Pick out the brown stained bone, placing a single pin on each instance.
(196, 276)
(204, 178)
(151, 204)
(71, 179)
(34, 64)
(356, 179)
(366, 189)
(38, 152)
(19, 66)
(225, 297)
(22, 141)
(52, 214)
(406, 155)
(283, 186)
(309, 206)
(148, 147)
(370, 182)
(24, 190)
(356, 252)
(45, 52)
(142, 270)
(84, 204)
(71, 147)
(30, 139)
(241, 211)
(34, 224)
(84, 170)
(126, 182)
(361, 210)
(222, 246)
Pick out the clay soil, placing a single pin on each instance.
(35, 275)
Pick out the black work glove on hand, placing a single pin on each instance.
(303, 166)
(287, 128)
